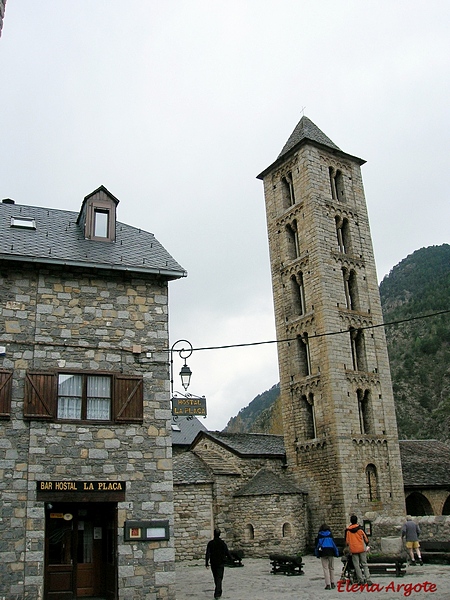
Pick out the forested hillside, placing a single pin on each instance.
(419, 351)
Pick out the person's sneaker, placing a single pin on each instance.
(413, 563)
(328, 587)
(421, 562)
(332, 586)
(368, 582)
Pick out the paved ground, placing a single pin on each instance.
(255, 581)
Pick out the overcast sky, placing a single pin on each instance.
(176, 106)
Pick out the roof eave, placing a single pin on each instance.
(168, 273)
(281, 159)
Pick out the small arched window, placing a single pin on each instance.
(249, 533)
(358, 349)
(372, 482)
(308, 419)
(287, 530)
(292, 240)
(288, 190)
(303, 355)
(298, 293)
(365, 411)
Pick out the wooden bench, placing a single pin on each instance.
(385, 564)
(435, 552)
(236, 559)
(288, 565)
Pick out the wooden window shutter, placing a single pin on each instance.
(40, 396)
(5, 394)
(128, 399)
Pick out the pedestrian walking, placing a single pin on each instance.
(216, 554)
(326, 550)
(411, 533)
(358, 543)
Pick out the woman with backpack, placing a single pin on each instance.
(326, 550)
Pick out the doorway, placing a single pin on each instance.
(81, 551)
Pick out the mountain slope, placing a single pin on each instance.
(419, 350)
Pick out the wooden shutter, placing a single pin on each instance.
(5, 394)
(40, 396)
(128, 399)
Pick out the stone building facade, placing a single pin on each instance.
(85, 446)
(338, 408)
(264, 512)
(237, 482)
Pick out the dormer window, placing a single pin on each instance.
(98, 216)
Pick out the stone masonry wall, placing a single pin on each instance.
(85, 320)
(435, 528)
(331, 383)
(277, 523)
(194, 525)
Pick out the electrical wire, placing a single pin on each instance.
(319, 335)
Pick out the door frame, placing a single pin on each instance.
(105, 555)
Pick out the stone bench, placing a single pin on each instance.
(288, 565)
(435, 552)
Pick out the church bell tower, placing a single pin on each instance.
(339, 418)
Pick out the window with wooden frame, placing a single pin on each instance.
(84, 396)
(101, 223)
(5, 394)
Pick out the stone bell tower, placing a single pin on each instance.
(338, 408)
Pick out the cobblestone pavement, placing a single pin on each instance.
(255, 581)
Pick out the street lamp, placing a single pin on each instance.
(185, 373)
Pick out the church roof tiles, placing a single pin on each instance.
(265, 483)
(425, 463)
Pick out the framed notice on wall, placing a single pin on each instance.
(146, 531)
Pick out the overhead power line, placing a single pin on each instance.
(318, 335)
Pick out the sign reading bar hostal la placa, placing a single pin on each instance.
(80, 486)
(188, 406)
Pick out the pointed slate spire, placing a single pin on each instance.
(306, 130)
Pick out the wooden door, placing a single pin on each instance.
(81, 551)
(59, 553)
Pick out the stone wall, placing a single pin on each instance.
(194, 524)
(435, 528)
(270, 524)
(87, 320)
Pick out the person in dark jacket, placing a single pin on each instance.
(216, 553)
(326, 550)
(411, 532)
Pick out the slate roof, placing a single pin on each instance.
(425, 463)
(307, 132)
(188, 468)
(248, 444)
(265, 483)
(188, 429)
(58, 240)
